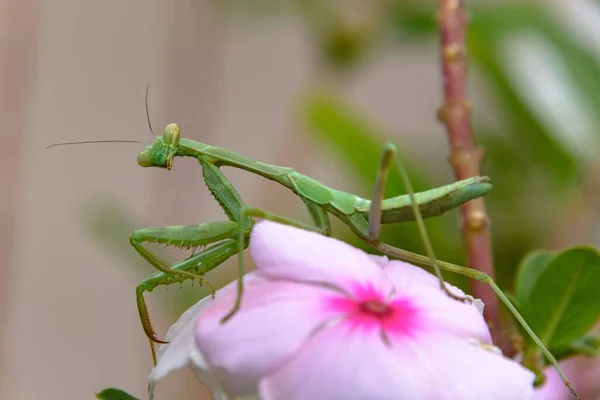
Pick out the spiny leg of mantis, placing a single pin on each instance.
(322, 226)
(389, 156)
(193, 267)
(193, 236)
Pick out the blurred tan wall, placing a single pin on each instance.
(71, 325)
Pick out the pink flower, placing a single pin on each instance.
(554, 388)
(323, 320)
(582, 371)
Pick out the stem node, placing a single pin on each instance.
(476, 221)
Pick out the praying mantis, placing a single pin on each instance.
(219, 241)
(212, 243)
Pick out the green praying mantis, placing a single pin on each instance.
(212, 243)
(221, 240)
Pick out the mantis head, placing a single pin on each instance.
(161, 153)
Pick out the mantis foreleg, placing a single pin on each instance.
(224, 192)
(189, 236)
(193, 236)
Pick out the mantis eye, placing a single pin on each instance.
(144, 160)
(171, 134)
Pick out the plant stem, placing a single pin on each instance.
(465, 157)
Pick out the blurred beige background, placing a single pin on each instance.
(77, 70)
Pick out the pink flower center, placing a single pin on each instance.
(372, 311)
(376, 308)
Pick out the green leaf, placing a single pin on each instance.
(563, 304)
(114, 394)
(529, 271)
(588, 346)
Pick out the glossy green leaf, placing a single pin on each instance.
(114, 394)
(588, 346)
(563, 304)
(529, 271)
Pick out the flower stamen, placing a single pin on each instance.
(376, 308)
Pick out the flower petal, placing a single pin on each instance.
(467, 371)
(381, 260)
(553, 388)
(287, 252)
(441, 312)
(580, 370)
(344, 363)
(176, 354)
(445, 315)
(404, 274)
(275, 319)
(181, 351)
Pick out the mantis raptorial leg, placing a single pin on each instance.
(199, 263)
(221, 235)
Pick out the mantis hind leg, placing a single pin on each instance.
(390, 156)
(322, 225)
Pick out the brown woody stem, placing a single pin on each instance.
(465, 157)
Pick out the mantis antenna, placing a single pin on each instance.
(93, 141)
(147, 113)
(113, 141)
